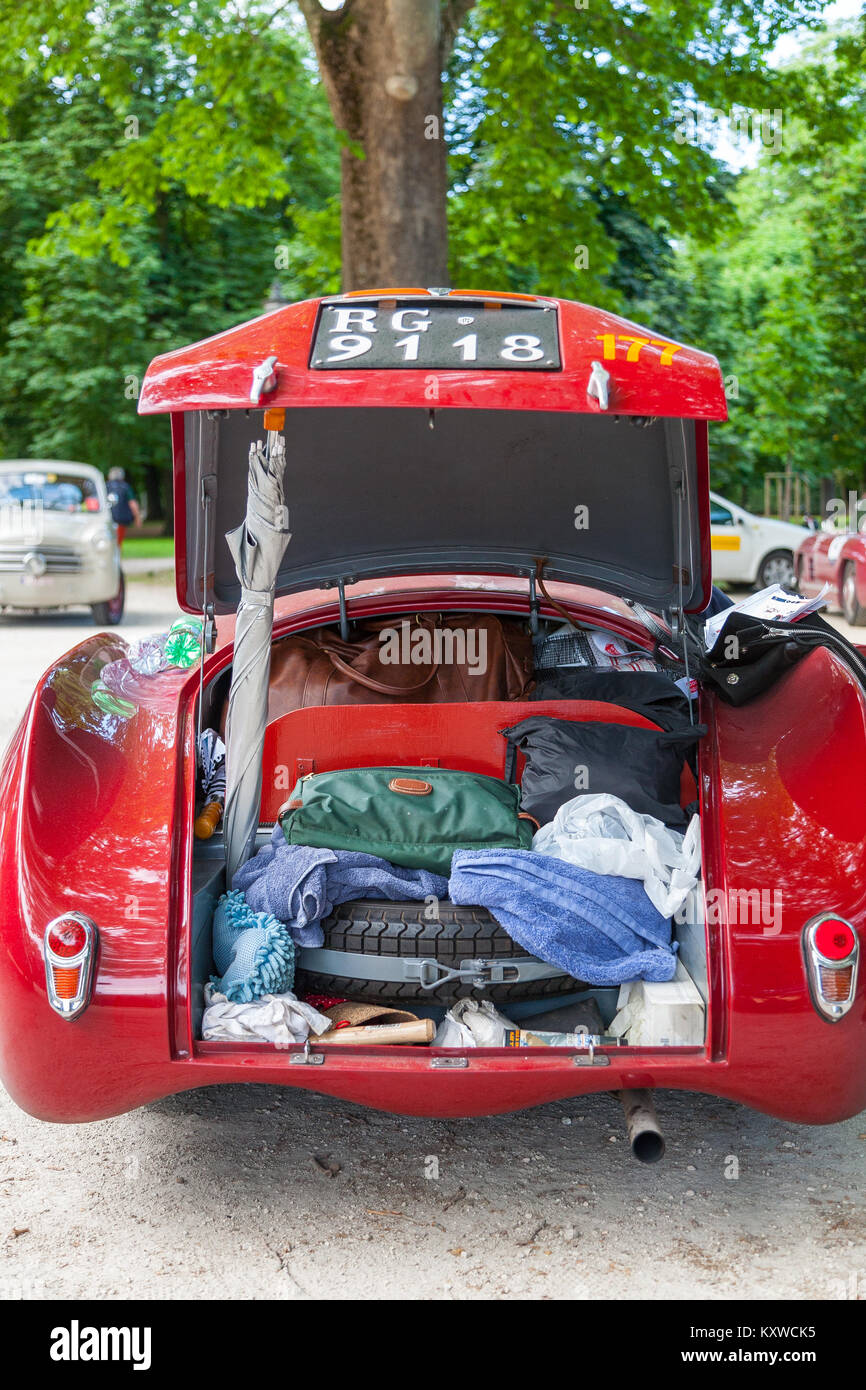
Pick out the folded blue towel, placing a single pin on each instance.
(301, 885)
(601, 929)
(252, 951)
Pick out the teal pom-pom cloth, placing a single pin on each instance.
(252, 951)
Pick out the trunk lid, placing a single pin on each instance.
(448, 432)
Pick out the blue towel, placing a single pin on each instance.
(252, 951)
(600, 928)
(301, 885)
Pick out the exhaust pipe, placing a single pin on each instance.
(644, 1135)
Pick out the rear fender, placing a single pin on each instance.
(91, 814)
(784, 797)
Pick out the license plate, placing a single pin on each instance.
(431, 335)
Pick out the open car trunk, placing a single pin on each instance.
(417, 960)
(486, 438)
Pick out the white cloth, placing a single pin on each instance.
(602, 833)
(472, 1023)
(276, 1018)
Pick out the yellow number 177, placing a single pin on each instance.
(610, 341)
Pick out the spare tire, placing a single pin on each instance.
(401, 930)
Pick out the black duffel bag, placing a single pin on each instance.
(566, 758)
(750, 654)
(652, 694)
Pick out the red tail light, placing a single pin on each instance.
(66, 937)
(834, 939)
(832, 953)
(69, 951)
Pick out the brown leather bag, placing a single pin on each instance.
(451, 658)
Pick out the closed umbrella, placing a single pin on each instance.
(257, 546)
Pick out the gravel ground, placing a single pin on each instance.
(254, 1192)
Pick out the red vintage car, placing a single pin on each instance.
(837, 558)
(448, 452)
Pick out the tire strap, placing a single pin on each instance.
(424, 972)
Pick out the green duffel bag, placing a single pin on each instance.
(413, 816)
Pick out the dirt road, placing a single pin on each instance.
(252, 1192)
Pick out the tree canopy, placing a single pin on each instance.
(779, 294)
(162, 163)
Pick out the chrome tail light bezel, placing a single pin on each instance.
(830, 1010)
(84, 961)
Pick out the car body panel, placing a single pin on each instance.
(97, 806)
(112, 837)
(215, 373)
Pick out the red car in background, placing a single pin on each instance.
(837, 558)
(439, 443)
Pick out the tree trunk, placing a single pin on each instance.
(381, 63)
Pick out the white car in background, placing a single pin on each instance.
(58, 544)
(749, 549)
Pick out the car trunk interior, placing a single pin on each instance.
(465, 736)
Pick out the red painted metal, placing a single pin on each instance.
(215, 374)
(96, 812)
(464, 736)
(447, 593)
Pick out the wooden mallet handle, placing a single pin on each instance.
(421, 1031)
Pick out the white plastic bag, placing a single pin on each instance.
(605, 835)
(472, 1023)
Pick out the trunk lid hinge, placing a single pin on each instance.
(533, 603)
(340, 585)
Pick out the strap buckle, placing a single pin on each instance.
(477, 972)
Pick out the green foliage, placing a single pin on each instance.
(163, 161)
(151, 172)
(574, 127)
(137, 547)
(781, 296)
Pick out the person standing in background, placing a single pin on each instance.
(124, 508)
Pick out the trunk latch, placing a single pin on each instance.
(476, 972)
